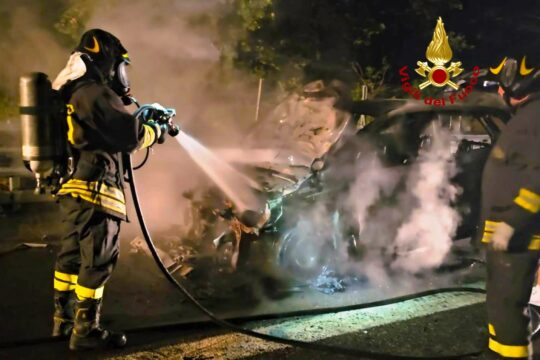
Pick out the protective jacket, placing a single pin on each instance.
(511, 195)
(99, 130)
(511, 182)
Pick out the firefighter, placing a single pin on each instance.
(510, 207)
(95, 87)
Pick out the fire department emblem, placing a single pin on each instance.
(439, 53)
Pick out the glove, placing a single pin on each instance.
(159, 118)
(501, 236)
(160, 130)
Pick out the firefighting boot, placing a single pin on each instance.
(64, 303)
(87, 333)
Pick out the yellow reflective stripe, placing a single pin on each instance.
(489, 229)
(94, 193)
(64, 281)
(72, 278)
(149, 137)
(491, 329)
(535, 243)
(511, 351)
(63, 286)
(69, 119)
(528, 200)
(96, 199)
(103, 189)
(87, 293)
(486, 238)
(490, 226)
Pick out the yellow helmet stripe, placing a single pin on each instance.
(523, 67)
(498, 69)
(95, 48)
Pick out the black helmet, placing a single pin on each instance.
(109, 57)
(517, 79)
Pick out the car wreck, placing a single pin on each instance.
(307, 162)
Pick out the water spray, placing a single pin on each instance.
(240, 189)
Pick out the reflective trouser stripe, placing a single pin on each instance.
(509, 351)
(491, 330)
(528, 200)
(149, 137)
(87, 293)
(64, 281)
(489, 228)
(535, 243)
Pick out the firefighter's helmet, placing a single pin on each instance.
(109, 56)
(516, 77)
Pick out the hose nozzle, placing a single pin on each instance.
(174, 129)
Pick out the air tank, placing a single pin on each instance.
(39, 127)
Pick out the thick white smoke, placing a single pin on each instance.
(403, 216)
(425, 239)
(414, 232)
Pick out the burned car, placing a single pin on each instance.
(338, 194)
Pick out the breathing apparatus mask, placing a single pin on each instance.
(119, 82)
(517, 80)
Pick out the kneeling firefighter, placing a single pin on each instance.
(95, 87)
(511, 212)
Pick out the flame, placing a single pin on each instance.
(439, 51)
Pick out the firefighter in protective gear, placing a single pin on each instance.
(510, 208)
(95, 87)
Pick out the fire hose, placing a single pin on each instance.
(291, 342)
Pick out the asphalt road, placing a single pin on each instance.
(138, 299)
(455, 325)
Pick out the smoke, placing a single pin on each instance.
(175, 62)
(393, 223)
(425, 239)
(26, 46)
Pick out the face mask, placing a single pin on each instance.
(120, 80)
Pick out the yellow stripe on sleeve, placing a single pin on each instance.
(69, 120)
(528, 200)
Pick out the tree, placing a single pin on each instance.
(311, 39)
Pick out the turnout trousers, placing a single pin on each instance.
(510, 278)
(89, 248)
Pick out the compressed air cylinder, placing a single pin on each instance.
(38, 127)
